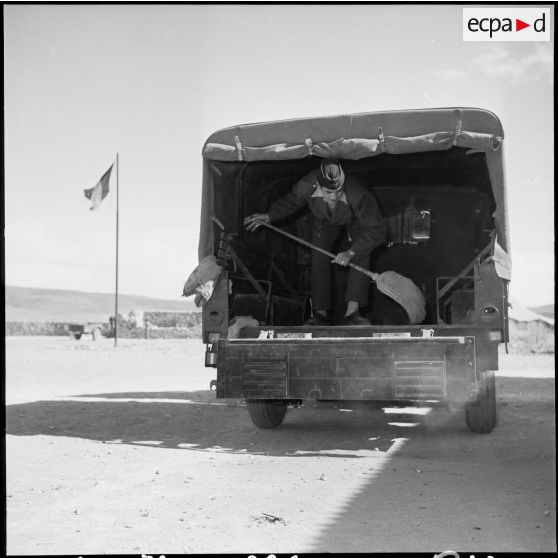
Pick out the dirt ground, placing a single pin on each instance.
(126, 450)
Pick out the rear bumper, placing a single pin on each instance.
(348, 368)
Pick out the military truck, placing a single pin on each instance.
(438, 177)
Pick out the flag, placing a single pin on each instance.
(99, 192)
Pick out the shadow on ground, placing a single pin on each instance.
(440, 487)
(447, 488)
(198, 421)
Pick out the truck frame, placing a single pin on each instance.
(438, 176)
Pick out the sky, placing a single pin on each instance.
(152, 82)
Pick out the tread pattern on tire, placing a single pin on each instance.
(481, 416)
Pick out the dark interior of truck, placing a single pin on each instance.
(438, 206)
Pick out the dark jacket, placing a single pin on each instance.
(357, 209)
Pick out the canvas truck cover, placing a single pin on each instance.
(357, 136)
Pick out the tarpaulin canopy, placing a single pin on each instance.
(358, 136)
(353, 148)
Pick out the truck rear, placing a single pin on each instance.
(438, 177)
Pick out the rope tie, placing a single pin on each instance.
(238, 148)
(381, 138)
(457, 131)
(308, 143)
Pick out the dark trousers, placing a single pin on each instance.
(326, 236)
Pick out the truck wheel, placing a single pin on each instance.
(266, 413)
(491, 379)
(77, 336)
(481, 416)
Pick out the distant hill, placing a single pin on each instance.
(46, 305)
(546, 310)
(56, 305)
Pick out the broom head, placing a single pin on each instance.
(405, 293)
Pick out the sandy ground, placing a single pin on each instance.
(125, 450)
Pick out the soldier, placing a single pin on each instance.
(341, 203)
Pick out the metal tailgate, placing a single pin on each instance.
(347, 368)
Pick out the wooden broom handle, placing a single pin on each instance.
(371, 274)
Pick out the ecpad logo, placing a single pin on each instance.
(506, 24)
(493, 25)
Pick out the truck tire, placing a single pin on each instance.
(481, 416)
(77, 336)
(492, 387)
(266, 413)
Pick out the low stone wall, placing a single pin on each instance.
(157, 332)
(184, 326)
(37, 328)
(172, 319)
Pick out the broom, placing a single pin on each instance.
(397, 287)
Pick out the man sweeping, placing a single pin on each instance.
(342, 205)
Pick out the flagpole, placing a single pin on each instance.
(116, 287)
